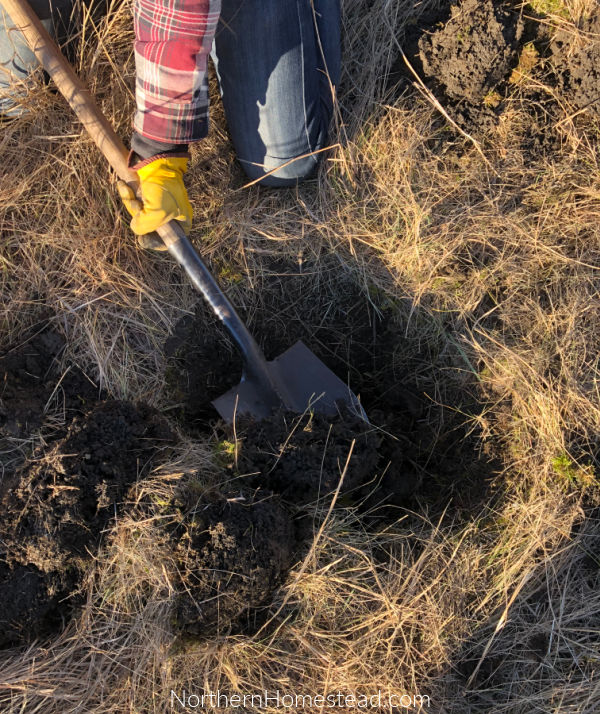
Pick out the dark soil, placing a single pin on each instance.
(334, 318)
(231, 554)
(466, 51)
(202, 365)
(231, 550)
(31, 384)
(418, 449)
(577, 64)
(303, 457)
(53, 518)
(420, 23)
(26, 384)
(474, 50)
(356, 336)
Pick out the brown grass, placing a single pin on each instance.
(489, 266)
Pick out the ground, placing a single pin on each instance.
(474, 51)
(444, 263)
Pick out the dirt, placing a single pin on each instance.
(194, 377)
(334, 318)
(577, 64)
(474, 50)
(33, 385)
(358, 338)
(231, 550)
(486, 61)
(231, 554)
(54, 515)
(302, 457)
(25, 384)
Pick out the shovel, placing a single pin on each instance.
(296, 380)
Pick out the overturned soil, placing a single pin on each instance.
(474, 50)
(303, 457)
(26, 383)
(486, 61)
(577, 63)
(352, 333)
(230, 554)
(32, 386)
(358, 338)
(232, 549)
(54, 515)
(195, 375)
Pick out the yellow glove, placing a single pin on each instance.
(163, 194)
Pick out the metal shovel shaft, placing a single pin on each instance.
(256, 369)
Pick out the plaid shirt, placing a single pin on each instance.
(173, 41)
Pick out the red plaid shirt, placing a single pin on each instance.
(173, 41)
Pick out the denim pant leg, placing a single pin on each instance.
(17, 61)
(275, 89)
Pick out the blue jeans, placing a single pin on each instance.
(276, 61)
(17, 61)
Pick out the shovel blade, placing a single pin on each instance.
(301, 381)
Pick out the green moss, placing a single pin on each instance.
(548, 7)
(224, 453)
(572, 474)
(228, 275)
(492, 98)
(527, 61)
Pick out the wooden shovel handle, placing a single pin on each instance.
(72, 88)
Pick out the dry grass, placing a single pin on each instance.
(491, 269)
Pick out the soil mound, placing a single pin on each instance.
(29, 376)
(474, 50)
(577, 64)
(37, 397)
(231, 554)
(358, 340)
(302, 457)
(195, 375)
(25, 384)
(53, 517)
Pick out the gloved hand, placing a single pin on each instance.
(164, 197)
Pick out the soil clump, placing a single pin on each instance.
(31, 385)
(358, 338)
(576, 61)
(29, 375)
(302, 457)
(474, 50)
(334, 319)
(231, 553)
(466, 59)
(202, 365)
(53, 517)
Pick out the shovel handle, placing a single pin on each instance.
(106, 139)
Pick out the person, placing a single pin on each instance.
(277, 64)
(17, 61)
